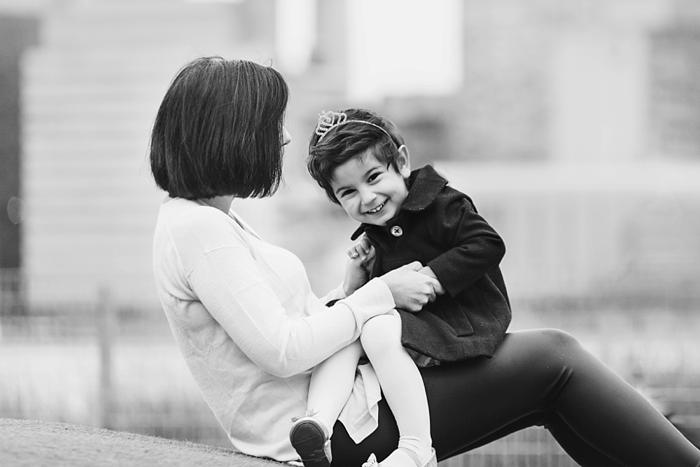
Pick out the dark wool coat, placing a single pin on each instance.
(439, 226)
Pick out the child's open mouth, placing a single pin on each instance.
(375, 210)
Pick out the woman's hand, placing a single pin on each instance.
(439, 290)
(361, 258)
(411, 289)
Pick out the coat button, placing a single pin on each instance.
(396, 231)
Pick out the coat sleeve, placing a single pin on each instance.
(472, 246)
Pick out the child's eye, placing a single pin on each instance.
(346, 193)
(373, 177)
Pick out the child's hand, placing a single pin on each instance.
(359, 265)
(362, 251)
(439, 290)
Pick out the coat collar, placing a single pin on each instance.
(424, 185)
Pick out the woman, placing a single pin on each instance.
(250, 329)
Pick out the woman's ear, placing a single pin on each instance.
(403, 161)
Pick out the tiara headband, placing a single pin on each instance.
(328, 119)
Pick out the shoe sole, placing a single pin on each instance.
(308, 438)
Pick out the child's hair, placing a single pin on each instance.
(352, 135)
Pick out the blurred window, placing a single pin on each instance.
(295, 35)
(403, 47)
(674, 110)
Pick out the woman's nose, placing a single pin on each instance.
(286, 136)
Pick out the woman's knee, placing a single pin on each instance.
(381, 333)
(555, 344)
(556, 338)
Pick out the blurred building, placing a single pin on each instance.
(89, 91)
(574, 125)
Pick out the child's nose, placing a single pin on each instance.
(367, 196)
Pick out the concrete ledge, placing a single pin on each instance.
(25, 443)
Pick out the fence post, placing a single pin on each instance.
(106, 330)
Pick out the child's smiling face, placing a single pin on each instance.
(368, 190)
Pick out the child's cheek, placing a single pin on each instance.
(351, 208)
(348, 210)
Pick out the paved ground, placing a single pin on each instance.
(25, 443)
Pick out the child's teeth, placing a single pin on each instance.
(372, 211)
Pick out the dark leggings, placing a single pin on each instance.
(539, 377)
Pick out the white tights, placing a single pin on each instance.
(400, 380)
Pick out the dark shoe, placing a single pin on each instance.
(311, 442)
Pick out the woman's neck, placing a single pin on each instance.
(222, 203)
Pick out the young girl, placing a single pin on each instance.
(360, 160)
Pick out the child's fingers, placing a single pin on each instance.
(355, 253)
(363, 249)
(368, 258)
(364, 244)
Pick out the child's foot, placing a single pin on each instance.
(371, 461)
(402, 458)
(311, 442)
(432, 462)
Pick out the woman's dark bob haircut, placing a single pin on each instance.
(219, 130)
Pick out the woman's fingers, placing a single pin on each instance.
(411, 289)
(422, 297)
(428, 294)
(414, 266)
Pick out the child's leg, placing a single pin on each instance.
(331, 385)
(402, 386)
(329, 388)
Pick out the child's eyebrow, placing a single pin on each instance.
(339, 189)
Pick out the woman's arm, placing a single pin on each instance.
(279, 325)
(234, 291)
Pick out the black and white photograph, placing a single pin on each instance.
(350, 233)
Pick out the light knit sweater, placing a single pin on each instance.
(250, 328)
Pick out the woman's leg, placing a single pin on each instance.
(402, 386)
(545, 377)
(541, 377)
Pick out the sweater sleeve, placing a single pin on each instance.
(233, 290)
(334, 295)
(474, 247)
